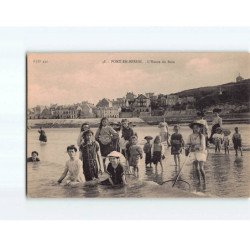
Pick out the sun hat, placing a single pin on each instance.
(195, 123)
(148, 137)
(114, 154)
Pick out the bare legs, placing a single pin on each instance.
(177, 160)
(156, 164)
(200, 170)
(217, 147)
(236, 151)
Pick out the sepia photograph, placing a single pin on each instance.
(137, 124)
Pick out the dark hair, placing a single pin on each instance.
(71, 147)
(34, 152)
(87, 132)
(236, 128)
(200, 133)
(104, 118)
(157, 137)
(84, 124)
(176, 126)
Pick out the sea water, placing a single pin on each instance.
(226, 175)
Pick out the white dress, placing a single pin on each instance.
(74, 168)
(200, 154)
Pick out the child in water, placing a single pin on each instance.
(164, 135)
(80, 139)
(135, 153)
(237, 141)
(107, 138)
(127, 132)
(73, 168)
(197, 144)
(226, 142)
(217, 138)
(158, 152)
(115, 171)
(34, 157)
(91, 157)
(147, 150)
(177, 143)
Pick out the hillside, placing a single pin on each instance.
(234, 93)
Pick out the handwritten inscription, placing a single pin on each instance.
(36, 61)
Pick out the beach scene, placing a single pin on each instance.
(138, 125)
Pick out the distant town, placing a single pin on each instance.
(185, 103)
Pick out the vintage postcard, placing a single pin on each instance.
(138, 125)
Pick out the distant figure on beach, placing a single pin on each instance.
(135, 154)
(237, 141)
(197, 146)
(34, 157)
(158, 152)
(127, 133)
(147, 148)
(85, 126)
(115, 171)
(216, 123)
(177, 143)
(164, 135)
(226, 141)
(107, 138)
(42, 137)
(73, 168)
(218, 139)
(201, 119)
(91, 157)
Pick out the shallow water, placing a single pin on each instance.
(227, 176)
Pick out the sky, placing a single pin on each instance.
(67, 78)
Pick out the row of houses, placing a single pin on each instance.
(128, 106)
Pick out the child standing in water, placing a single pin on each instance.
(197, 143)
(226, 142)
(237, 141)
(217, 139)
(73, 168)
(164, 135)
(127, 132)
(147, 150)
(80, 140)
(107, 137)
(135, 153)
(158, 150)
(177, 143)
(90, 156)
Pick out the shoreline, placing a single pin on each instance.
(139, 122)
